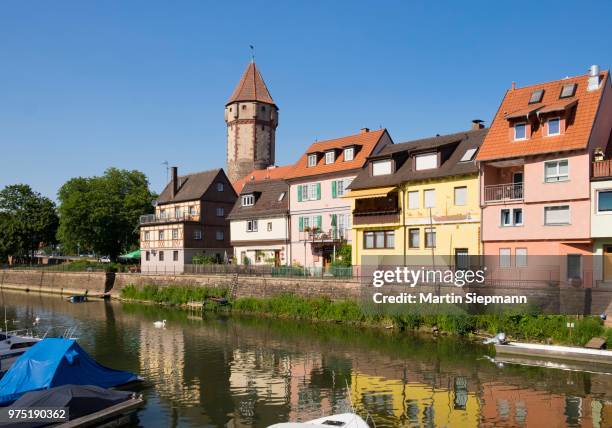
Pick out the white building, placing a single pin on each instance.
(259, 224)
(601, 221)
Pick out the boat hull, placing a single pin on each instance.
(566, 353)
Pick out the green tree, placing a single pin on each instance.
(27, 221)
(101, 214)
(343, 256)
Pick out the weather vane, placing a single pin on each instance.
(252, 53)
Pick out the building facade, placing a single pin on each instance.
(417, 202)
(320, 218)
(251, 117)
(259, 224)
(601, 219)
(535, 164)
(190, 220)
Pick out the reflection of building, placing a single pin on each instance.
(162, 359)
(259, 373)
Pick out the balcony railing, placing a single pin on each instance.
(317, 235)
(503, 192)
(602, 168)
(154, 219)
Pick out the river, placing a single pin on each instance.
(216, 371)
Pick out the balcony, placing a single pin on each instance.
(149, 219)
(384, 209)
(602, 169)
(503, 193)
(335, 234)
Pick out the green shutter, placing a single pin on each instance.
(319, 222)
(334, 190)
(301, 224)
(300, 195)
(318, 191)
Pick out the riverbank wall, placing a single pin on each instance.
(90, 283)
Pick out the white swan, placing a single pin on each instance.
(160, 324)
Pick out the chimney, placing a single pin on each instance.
(174, 182)
(477, 124)
(594, 82)
(364, 130)
(513, 86)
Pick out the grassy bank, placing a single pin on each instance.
(520, 326)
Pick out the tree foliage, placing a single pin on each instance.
(27, 221)
(101, 214)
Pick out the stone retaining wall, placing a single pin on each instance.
(91, 283)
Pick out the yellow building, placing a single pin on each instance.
(419, 198)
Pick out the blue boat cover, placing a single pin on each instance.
(54, 362)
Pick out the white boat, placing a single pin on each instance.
(12, 345)
(572, 353)
(343, 420)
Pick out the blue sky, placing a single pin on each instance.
(89, 85)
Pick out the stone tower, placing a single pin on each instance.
(251, 117)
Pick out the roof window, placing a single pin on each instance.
(536, 96)
(568, 90)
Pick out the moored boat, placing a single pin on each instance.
(14, 344)
(342, 420)
(557, 352)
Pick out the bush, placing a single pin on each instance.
(173, 295)
(205, 260)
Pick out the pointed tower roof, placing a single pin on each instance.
(251, 87)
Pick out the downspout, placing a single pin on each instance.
(403, 208)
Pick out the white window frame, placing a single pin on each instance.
(597, 210)
(387, 170)
(569, 215)
(251, 225)
(511, 217)
(312, 192)
(197, 234)
(508, 257)
(413, 200)
(220, 211)
(330, 157)
(348, 150)
(468, 155)
(175, 234)
(514, 210)
(430, 230)
(220, 187)
(269, 226)
(427, 156)
(557, 175)
(340, 188)
(312, 160)
(514, 131)
(425, 193)
(248, 200)
(465, 196)
(281, 196)
(548, 134)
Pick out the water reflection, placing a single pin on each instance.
(244, 372)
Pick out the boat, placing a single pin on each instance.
(54, 362)
(342, 420)
(14, 344)
(77, 299)
(555, 352)
(80, 406)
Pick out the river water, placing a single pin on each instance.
(218, 371)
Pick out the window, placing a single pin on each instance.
(504, 258)
(349, 154)
(220, 187)
(147, 236)
(174, 233)
(281, 196)
(251, 225)
(191, 210)
(517, 216)
(197, 234)
(414, 236)
(413, 200)
(248, 200)
(536, 96)
(269, 228)
(243, 107)
(521, 257)
(426, 161)
(330, 157)
(430, 237)
(339, 188)
(305, 223)
(554, 126)
(460, 195)
(175, 256)
(512, 217)
(162, 213)
(220, 211)
(379, 239)
(161, 256)
(429, 197)
(220, 235)
(520, 131)
(312, 160)
(147, 255)
(568, 90)
(574, 266)
(557, 215)
(312, 193)
(160, 235)
(382, 167)
(468, 155)
(177, 212)
(556, 171)
(604, 201)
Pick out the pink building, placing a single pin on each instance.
(320, 218)
(535, 167)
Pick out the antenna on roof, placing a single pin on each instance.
(167, 170)
(252, 53)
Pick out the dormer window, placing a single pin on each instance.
(520, 131)
(426, 161)
(330, 157)
(312, 160)
(568, 90)
(248, 200)
(349, 153)
(381, 167)
(554, 126)
(468, 155)
(536, 96)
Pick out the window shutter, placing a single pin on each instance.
(300, 194)
(318, 191)
(334, 220)
(334, 189)
(319, 222)
(301, 219)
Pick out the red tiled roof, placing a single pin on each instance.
(271, 173)
(251, 87)
(366, 140)
(498, 143)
